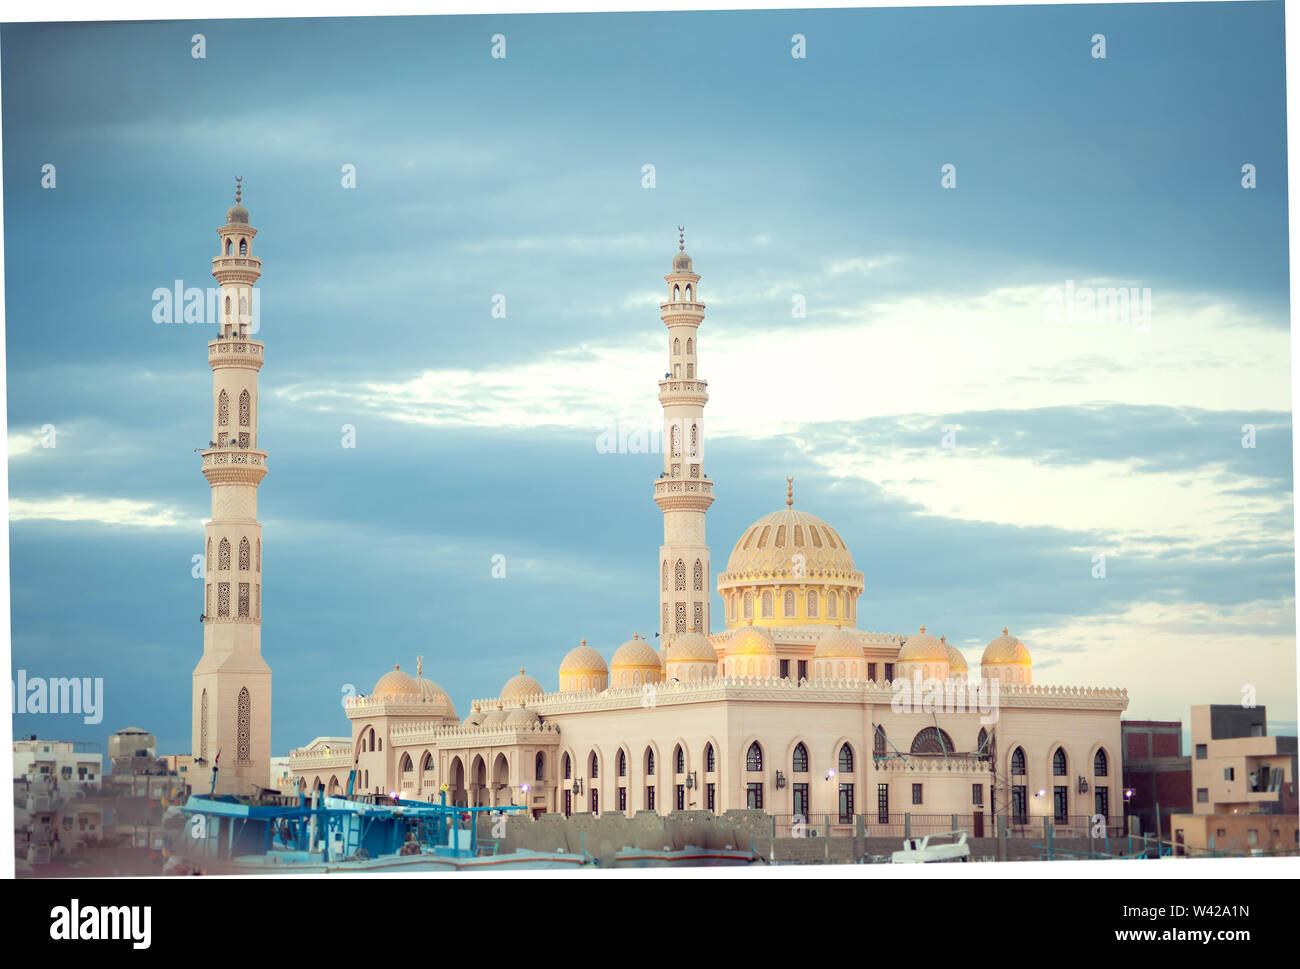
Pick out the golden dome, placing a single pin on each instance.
(691, 648)
(636, 652)
(923, 648)
(1006, 649)
(767, 548)
(956, 661)
(520, 687)
(396, 685)
(583, 659)
(751, 641)
(838, 643)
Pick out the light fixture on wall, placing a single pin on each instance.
(690, 780)
(1083, 784)
(780, 780)
(830, 774)
(577, 786)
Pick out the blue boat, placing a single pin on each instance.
(224, 835)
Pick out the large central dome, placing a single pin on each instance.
(790, 568)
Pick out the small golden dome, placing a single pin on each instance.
(691, 648)
(636, 652)
(838, 643)
(396, 685)
(923, 648)
(751, 641)
(1006, 649)
(520, 687)
(956, 661)
(583, 659)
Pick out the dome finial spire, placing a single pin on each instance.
(238, 187)
(419, 666)
(789, 492)
(681, 238)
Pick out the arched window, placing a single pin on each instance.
(1099, 763)
(812, 603)
(846, 759)
(539, 767)
(243, 305)
(244, 554)
(932, 740)
(767, 604)
(595, 765)
(223, 409)
(800, 765)
(243, 247)
(695, 439)
(223, 554)
(427, 765)
(1058, 762)
(406, 765)
(649, 761)
(710, 759)
(1018, 761)
(679, 760)
(622, 763)
(789, 610)
(568, 767)
(699, 576)
(372, 738)
(677, 347)
(879, 745)
(754, 757)
(207, 559)
(688, 292)
(230, 246)
(689, 346)
(679, 576)
(983, 746)
(227, 307)
(749, 605)
(677, 293)
(244, 727)
(244, 408)
(675, 439)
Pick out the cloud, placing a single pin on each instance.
(117, 512)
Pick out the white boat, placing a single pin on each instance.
(920, 851)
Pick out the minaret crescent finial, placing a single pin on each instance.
(238, 187)
(681, 238)
(789, 492)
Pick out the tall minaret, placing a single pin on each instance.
(683, 492)
(232, 683)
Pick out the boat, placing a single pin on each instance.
(689, 856)
(224, 835)
(922, 851)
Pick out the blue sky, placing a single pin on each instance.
(817, 177)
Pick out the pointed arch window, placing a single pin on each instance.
(649, 761)
(679, 760)
(832, 606)
(230, 247)
(227, 307)
(223, 409)
(846, 759)
(1099, 763)
(800, 765)
(677, 293)
(203, 726)
(1058, 763)
(427, 764)
(699, 576)
(983, 748)
(695, 439)
(406, 766)
(207, 559)
(245, 403)
(879, 746)
(812, 603)
(244, 554)
(568, 767)
(372, 739)
(622, 763)
(767, 604)
(244, 727)
(710, 759)
(677, 347)
(223, 555)
(679, 576)
(932, 740)
(754, 757)
(1018, 761)
(243, 247)
(688, 292)
(539, 767)
(749, 605)
(675, 439)
(665, 575)
(690, 345)
(595, 765)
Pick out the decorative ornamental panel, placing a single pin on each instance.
(223, 600)
(789, 604)
(699, 576)
(698, 624)
(244, 550)
(223, 410)
(243, 600)
(665, 575)
(812, 603)
(203, 726)
(679, 573)
(244, 409)
(244, 728)
(259, 555)
(681, 617)
(223, 555)
(207, 600)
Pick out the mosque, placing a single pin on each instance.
(789, 709)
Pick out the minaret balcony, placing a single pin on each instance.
(237, 269)
(235, 352)
(677, 391)
(681, 313)
(234, 465)
(683, 494)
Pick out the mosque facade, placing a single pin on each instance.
(789, 709)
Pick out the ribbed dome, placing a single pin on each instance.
(770, 544)
(494, 718)
(691, 648)
(923, 648)
(1006, 649)
(956, 661)
(583, 659)
(522, 717)
(396, 685)
(838, 643)
(636, 652)
(520, 687)
(237, 215)
(751, 641)
(681, 263)
(473, 720)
